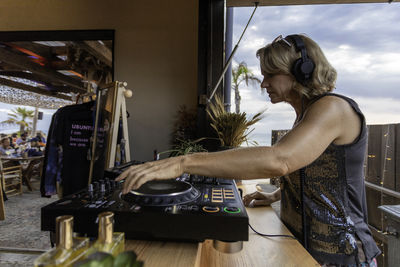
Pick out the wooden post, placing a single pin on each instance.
(2, 210)
(118, 112)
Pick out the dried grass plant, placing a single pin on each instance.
(233, 129)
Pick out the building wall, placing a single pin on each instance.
(155, 53)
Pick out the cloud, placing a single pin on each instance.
(362, 41)
(381, 110)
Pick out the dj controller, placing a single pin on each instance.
(188, 208)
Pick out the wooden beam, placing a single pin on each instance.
(60, 50)
(32, 89)
(24, 63)
(39, 49)
(24, 75)
(242, 3)
(39, 79)
(80, 68)
(100, 51)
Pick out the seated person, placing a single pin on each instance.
(13, 140)
(22, 140)
(4, 145)
(41, 139)
(35, 148)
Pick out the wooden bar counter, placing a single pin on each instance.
(258, 251)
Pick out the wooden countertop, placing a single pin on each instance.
(258, 251)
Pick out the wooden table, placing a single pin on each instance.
(24, 162)
(258, 251)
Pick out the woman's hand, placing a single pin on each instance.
(261, 198)
(137, 175)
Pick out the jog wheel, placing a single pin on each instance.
(162, 193)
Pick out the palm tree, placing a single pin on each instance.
(18, 116)
(239, 74)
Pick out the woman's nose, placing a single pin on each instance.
(264, 84)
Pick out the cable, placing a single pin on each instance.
(228, 62)
(289, 236)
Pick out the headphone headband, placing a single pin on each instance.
(303, 67)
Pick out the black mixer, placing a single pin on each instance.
(188, 208)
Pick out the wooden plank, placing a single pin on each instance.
(374, 214)
(260, 251)
(156, 253)
(98, 50)
(32, 89)
(2, 208)
(381, 155)
(374, 200)
(374, 170)
(42, 50)
(241, 3)
(365, 170)
(397, 157)
(60, 50)
(388, 156)
(387, 200)
(39, 79)
(24, 63)
(276, 135)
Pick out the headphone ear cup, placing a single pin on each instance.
(307, 68)
(302, 70)
(296, 71)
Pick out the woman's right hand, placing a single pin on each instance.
(261, 198)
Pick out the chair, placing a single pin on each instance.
(34, 169)
(11, 179)
(2, 210)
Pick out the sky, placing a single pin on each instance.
(42, 125)
(361, 41)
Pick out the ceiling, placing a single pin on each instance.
(242, 3)
(56, 69)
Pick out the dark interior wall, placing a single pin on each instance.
(210, 59)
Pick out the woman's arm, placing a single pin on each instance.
(328, 120)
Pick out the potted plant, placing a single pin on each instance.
(184, 147)
(184, 134)
(233, 129)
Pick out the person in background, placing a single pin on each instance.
(323, 154)
(41, 139)
(22, 140)
(12, 144)
(34, 150)
(14, 138)
(4, 145)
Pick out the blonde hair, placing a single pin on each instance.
(278, 58)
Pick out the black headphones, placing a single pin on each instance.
(303, 67)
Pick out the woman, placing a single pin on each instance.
(320, 160)
(4, 145)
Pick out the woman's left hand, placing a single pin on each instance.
(164, 169)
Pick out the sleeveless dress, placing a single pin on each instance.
(335, 202)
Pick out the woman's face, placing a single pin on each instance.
(278, 86)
